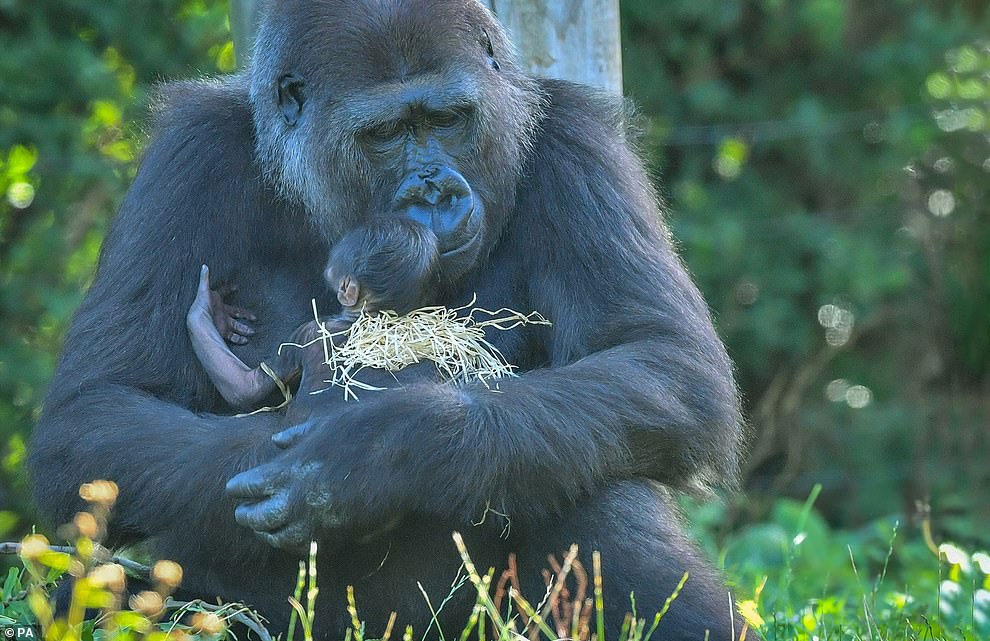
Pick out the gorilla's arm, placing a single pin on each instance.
(115, 409)
(638, 382)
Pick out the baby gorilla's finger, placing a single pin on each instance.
(236, 339)
(241, 328)
(227, 289)
(240, 312)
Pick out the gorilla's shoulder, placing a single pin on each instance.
(574, 111)
(208, 110)
(199, 159)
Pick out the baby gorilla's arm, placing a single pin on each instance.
(241, 386)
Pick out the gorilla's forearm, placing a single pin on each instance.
(658, 406)
(169, 464)
(538, 443)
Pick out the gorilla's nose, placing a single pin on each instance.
(439, 198)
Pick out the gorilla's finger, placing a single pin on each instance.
(264, 516)
(256, 483)
(242, 328)
(240, 312)
(268, 538)
(236, 339)
(294, 537)
(289, 437)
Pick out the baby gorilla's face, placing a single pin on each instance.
(351, 294)
(387, 265)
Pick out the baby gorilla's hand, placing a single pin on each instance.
(209, 308)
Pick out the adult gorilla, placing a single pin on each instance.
(415, 108)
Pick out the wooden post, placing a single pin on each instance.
(244, 16)
(575, 40)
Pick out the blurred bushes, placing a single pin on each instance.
(826, 167)
(75, 77)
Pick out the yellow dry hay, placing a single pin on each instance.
(452, 340)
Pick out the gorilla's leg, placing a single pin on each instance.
(645, 551)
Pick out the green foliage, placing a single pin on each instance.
(74, 77)
(879, 581)
(827, 169)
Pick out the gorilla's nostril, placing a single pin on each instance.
(447, 202)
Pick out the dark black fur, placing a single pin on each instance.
(629, 392)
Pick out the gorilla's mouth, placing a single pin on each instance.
(438, 197)
(470, 236)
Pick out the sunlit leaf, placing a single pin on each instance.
(226, 61)
(21, 160)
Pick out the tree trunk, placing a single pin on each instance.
(244, 15)
(576, 40)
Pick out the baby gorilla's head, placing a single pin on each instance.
(390, 264)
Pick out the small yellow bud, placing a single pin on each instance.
(110, 576)
(147, 603)
(167, 573)
(86, 525)
(207, 623)
(102, 492)
(33, 546)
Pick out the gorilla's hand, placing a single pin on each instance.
(340, 473)
(283, 503)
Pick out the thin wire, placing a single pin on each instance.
(773, 130)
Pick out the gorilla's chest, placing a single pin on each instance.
(280, 286)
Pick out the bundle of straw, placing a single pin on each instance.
(451, 339)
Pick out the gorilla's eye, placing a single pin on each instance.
(445, 119)
(290, 98)
(382, 132)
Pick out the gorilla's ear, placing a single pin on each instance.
(291, 98)
(486, 40)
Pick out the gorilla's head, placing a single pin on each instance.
(411, 107)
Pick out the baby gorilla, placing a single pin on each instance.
(390, 264)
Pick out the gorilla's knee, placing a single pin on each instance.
(645, 552)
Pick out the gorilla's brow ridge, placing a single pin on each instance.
(389, 101)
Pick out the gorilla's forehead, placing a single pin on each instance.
(375, 42)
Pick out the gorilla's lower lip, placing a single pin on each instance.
(470, 242)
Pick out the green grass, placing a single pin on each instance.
(795, 578)
(884, 581)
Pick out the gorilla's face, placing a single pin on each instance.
(386, 106)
